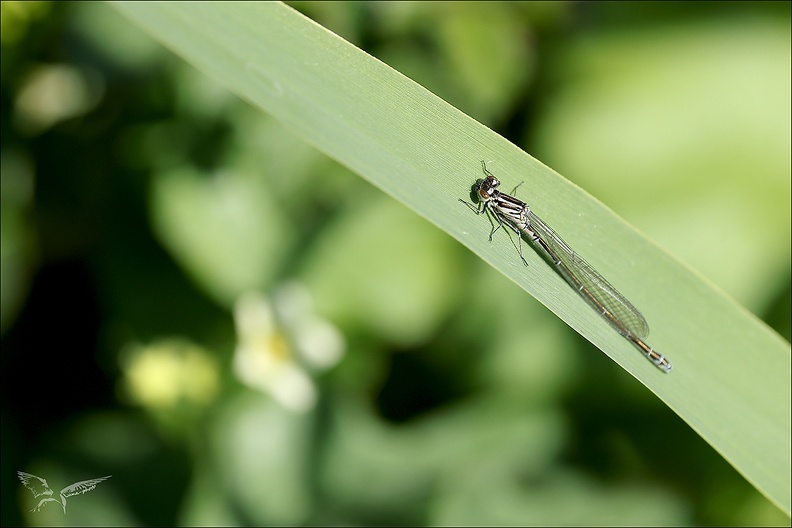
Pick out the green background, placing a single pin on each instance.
(460, 398)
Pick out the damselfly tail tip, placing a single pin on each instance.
(665, 365)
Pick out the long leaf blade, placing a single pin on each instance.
(731, 378)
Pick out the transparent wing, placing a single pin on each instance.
(589, 279)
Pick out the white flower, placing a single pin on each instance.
(276, 339)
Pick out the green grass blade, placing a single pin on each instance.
(731, 378)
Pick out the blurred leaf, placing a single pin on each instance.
(562, 500)
(203, 505)
(375, 465)
(472, 34)
(261, 450)
(17, 17)
(224, 229)
(731, 380)
(18, 239)
(462, 38)
(112, 37)
(403, 294)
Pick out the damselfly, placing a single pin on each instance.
(595, 290)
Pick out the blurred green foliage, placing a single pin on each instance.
(140, 201)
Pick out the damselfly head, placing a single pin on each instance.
(492, 181)
(484, 190)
